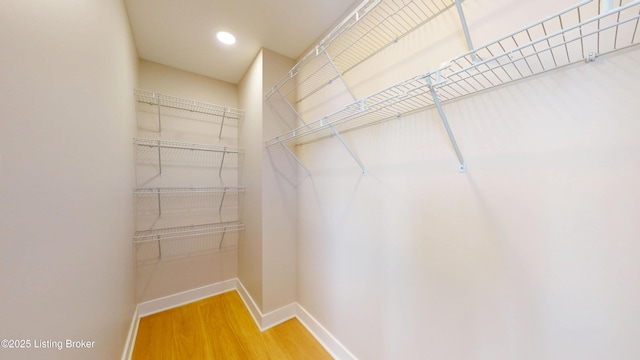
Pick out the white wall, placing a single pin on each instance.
(194, 262)
(250, 139)
(530, 254)
(66, 123)
(279, 181)
(267, 255)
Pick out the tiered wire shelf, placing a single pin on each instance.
(161, 152)
(144, 236)
(209, 232)
(186, 146)
(580, 33)
(371, 27)
(175, 106)
(199, 215)
(160, 199)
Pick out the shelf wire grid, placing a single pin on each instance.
(186, 146)
(155, 235)
(163, 200)
(576, 34)
(372, 27)
(188, 106)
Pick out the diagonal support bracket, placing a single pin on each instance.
(462, 167)
(295, 158)
(465, 29)
(353, 155)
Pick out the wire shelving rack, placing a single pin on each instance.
(164, 104)
(155, 199)
(580, 33)
(370, 28)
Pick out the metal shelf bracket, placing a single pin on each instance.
(465, 29)
(224, 231)
(461, 167)
(344, 143)
(224, 115)
(295, 158)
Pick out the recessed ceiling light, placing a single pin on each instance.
(226, 37)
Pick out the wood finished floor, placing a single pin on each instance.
(221, 327)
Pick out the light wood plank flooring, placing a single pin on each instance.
(221, 327)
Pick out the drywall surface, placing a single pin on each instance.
(250, 138)
(66, 123)
(192, 262)
(279, 204)
(530, 254)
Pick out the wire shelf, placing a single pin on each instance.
(173, 102)
(579, 33)
(141, 190)
(186, 146)
(155, 235)
(370, 28)
(162, 200)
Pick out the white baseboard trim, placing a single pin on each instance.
(324, 337)
(264, 322)
(185, 297)
(278, 316)
(131, 337)
(254, 310)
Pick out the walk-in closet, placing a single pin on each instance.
(299, 179)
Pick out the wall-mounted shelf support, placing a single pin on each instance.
(353, 155)
(224, 193)
(159, 247)
(462, 167)
(465, 28)
(339, 75)
(160, 160)
(224, 115)
(222, 162)
(224, 231)
(159, 204)
(296, 158)
(159, 117)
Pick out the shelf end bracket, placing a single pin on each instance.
(465, 29)
(462, 167)
(344, 143)
(295, 158)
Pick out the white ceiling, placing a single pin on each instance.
(181, 33)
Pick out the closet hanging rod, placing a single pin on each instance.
(186, 146)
